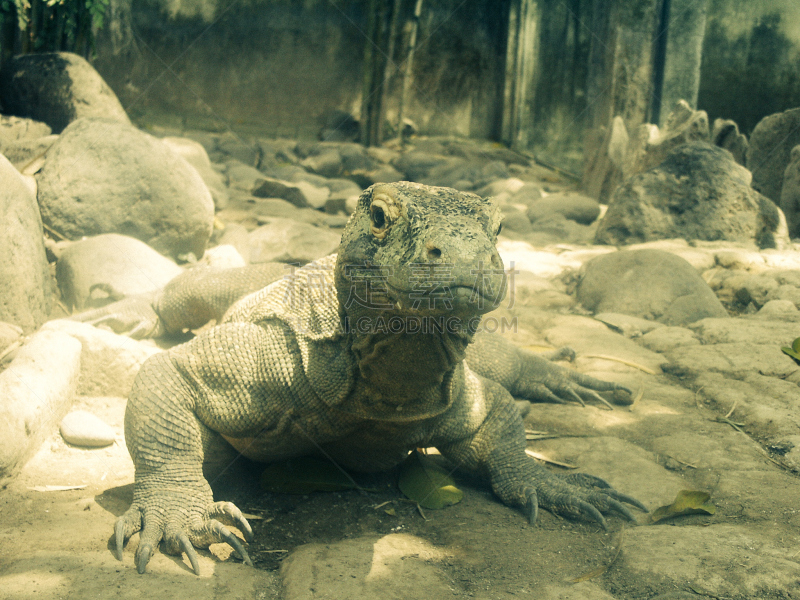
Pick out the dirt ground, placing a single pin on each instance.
(58, 543)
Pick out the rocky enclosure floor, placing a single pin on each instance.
(715, 411)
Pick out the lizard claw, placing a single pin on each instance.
(143, 554)
(181, 530)
(578, 496)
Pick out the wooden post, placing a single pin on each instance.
(409, 65)
(522, 52)
(684, 31)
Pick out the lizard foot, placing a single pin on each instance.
(133, 316)
(548, 382)
(578, 496)
(181, 527)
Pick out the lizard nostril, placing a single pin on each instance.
(434, 253)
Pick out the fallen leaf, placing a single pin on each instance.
(305, 475)
(687, 502)
(794, 351)
(427, 484)
(390, 511)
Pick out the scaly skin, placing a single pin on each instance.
(334, 359)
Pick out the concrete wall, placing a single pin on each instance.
(751, 58)
(279, 67)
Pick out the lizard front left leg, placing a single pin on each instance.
(497, 448)
(533, 376)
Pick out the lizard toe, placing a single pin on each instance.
(213, 532)
(128, 524)
(229, 514)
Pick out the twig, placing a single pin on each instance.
(647, 370)
(603, 568)
(727, 421)
(637, 397)
(541, 457)
(9, 349)
(52, 231)
(690, 465)
(733, 408)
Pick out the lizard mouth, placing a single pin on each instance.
(445, 299)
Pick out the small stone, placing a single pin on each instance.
(81, 428)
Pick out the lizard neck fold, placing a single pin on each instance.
(400, 369)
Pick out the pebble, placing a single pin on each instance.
(81, 428)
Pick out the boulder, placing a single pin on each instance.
(195, 154)
(11, 334)
(725, 134)
(327, 163)
(236, 148)
(651, 284)
(698, 193)
(284, 240)
(416, 164)
(605, 155)
(790, 193)
(108, 177)
(129, 267)
(242, 177)
(340, 126)
(770, 150)
(57, 88)
(15, 129)
(302, 194)
(575, 207)
(35, 392)
(108, 362)
(24, 152)
(25, 294)
(82, 428)
(649, 146)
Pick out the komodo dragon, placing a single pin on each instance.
(359, 357)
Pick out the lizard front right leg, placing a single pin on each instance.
(222, 382)
(497, 449)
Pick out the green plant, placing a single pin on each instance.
(794, 351)
(50, 25)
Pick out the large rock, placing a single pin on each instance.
(621, 154)
(575, 207)
(57, 88)
(649, 145)
(699, 192)
(301, 193)
(35, 392)
(107, 177)
(770, 148)
(16, 129)
(726, 135)
(128, 267)
(283, 240)
(195, 154)
(28, 153)
(108, 362)
(790, 193)
(25, 293)
(605, 154)
(651, 284)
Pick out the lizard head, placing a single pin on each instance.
(416, 250)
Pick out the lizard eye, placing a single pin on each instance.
(378, 217)
(381, 216)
